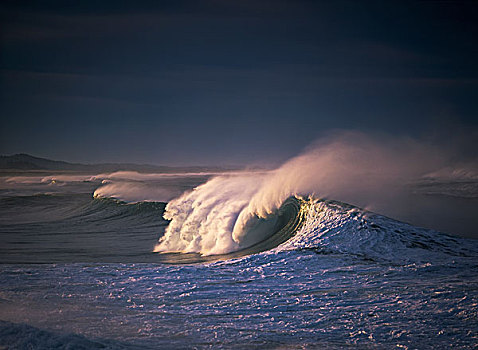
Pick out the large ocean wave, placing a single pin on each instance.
(231, 213)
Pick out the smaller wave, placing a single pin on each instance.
(134, 192)
(458, 188)
(134, 187)
(79, 208)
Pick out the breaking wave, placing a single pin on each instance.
(230, 213)
(325, 227)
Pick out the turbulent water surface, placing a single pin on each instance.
(137, 261)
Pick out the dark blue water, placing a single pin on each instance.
(80, 272)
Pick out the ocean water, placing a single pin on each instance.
(237, 260)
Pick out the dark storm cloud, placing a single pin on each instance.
(228, 81)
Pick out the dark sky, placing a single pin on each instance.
(229, 82)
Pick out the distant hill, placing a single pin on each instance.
(27, 162)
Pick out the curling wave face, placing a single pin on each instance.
(262, 234)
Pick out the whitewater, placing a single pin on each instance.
(305, 255)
